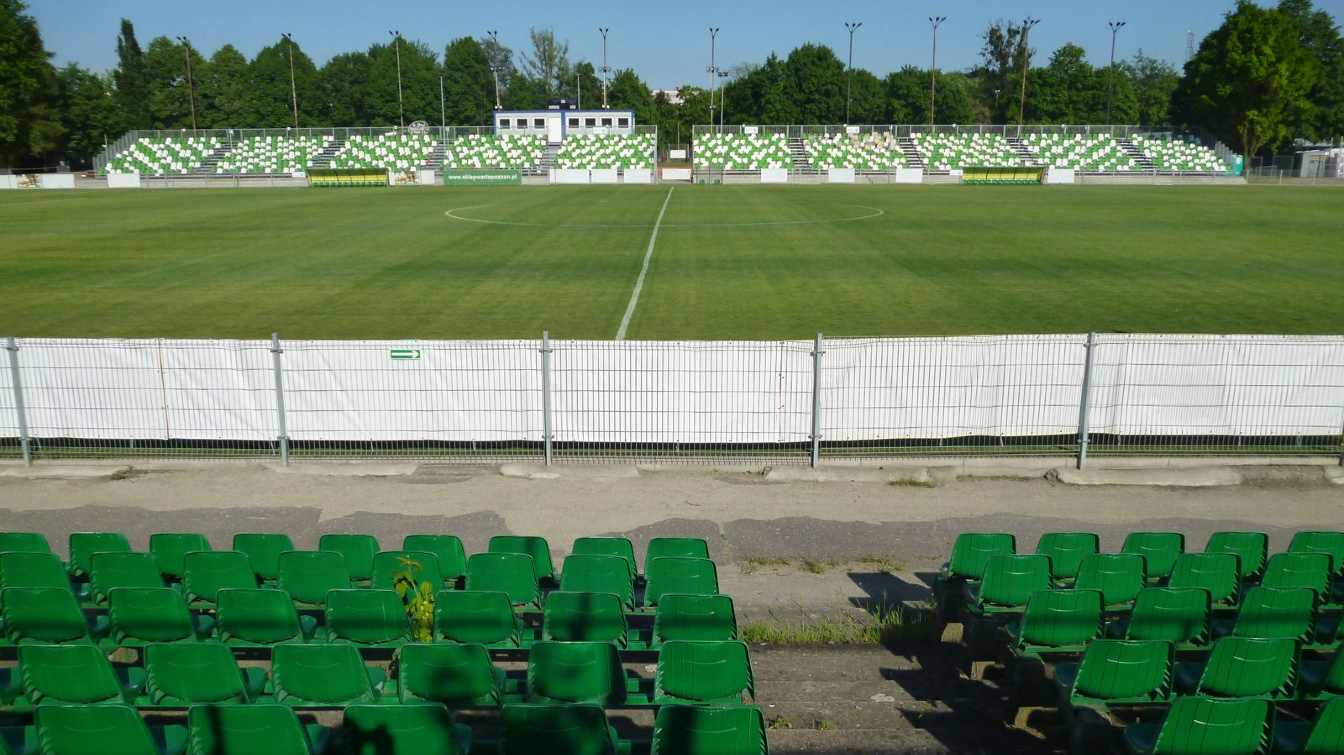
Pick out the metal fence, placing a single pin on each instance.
(721, 402)
(902, 130)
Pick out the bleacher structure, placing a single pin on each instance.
(608, 151)
(1158, 649)
(537, 655)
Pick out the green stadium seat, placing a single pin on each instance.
(1331, 543)
(358, 551)
(1117, 673)
(207, 572)
(1057, 622)
(1117, 576)
(703, 672)
(528, 729)
(263, 551)
(170, 550)
(84, 544)
(1306, 570)
(247, 730)
(184, 674)
(599, 574)
(536, 547)
(1204, 726)
(322, 676)
(448, 548)
(93, 730)
(695, 618)
(141, 615)
(697, 729)
(309, 575)
(1250, 548)
(1277, 613)
(1007, 584)
(1214, 573)
(1159, 550)
(479, 617)
(1066, 551)
(680, 575)
(971, 552)
(1171, 614)
(584, 617)
(387, 564)
(685, 547)
(367, 618)
(457, 675)
(606, 546)
(1322, 678)
(31, 569)
(259, 618)
(74, 674)
(575, 672)
(421, 729)
(1243, 667)
(509, 573)
(24, 542)
(112, 570)
(50, 615)
(1322, 736)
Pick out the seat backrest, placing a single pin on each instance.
(88, 729)
(112, 570)
(358, 551)
(686, 547)
(1289, 570)
(509, 573)
(703, 672)
(606, 546)
(149, 614)
(1159, 550)
(41, 614)
(263, 729)
(207, 572)
(1118, 576)
(170, 549)
(1170, 614)
(1125, 670)
(475, 616)
(263, 617)
(1215, 573)
(694, 617)
(1250, 667)
(24, 542)
(192, 672)
(84, 544)
(1250, 549)
(75, 674)
(1273, 612)
(308, 575)
(423, 565)
(527, 729)
(1330, 543)
(420, 729)
(323, 675)
(693, 729)
(263, 551)
(1066, 551)
(367, 616)
(32, 569)
(536, 547)
(456, 674)
(681, 575)
(584, 617)
(971, 552)
(1056, 618)
(1010, 580)
(448, 548)
(575, 672)
(599, 574)
(1210, 725)
(1327, 731)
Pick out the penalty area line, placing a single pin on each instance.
(643, 271)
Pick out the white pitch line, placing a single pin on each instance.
(643, 271)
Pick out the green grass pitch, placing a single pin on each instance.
(729, 261)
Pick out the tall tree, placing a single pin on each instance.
(171, 94)
(1153, 81)
(582, 79)
(131, 80)
(868, 99)
(1000, 69)
(272, 100)
(629, 92)
(815, 79)
(419, 83)
(225, 90)
(343, 86)
(524, 93)
(30, 126)
(469, 88)
(548, 63)
(1321, 115)
(500, 58)
(88, 114)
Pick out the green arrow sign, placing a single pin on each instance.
(405, 353)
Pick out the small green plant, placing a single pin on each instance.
(823, 725)
(753, 564)
(782, 722)
(417, 598)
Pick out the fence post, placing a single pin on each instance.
(546, 394)
(1085, 400)
(25, 444)
(276, 351)
(816, 400)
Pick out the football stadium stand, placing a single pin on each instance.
(273, 154)
(866, 152)
(165, 156)
(1180, 156)
(946, 152)
(392, 150)
(1087, 154)
(742, 151)
(607, 151)
(514, 152)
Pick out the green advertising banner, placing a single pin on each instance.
(481, 177)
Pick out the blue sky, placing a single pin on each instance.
(666, 47)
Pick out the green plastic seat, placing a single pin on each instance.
(575, 672)
(584, 617)
(1241, 667)
(104, 730)
(141, 615)
(1322, 736)
(1066, 551)
(536, 547)
(24, 542)
(32, 569)
(457, 675)
(697, 729)
(207, 572)
(170, 549)
(1057, 622)
(681, 575)
(358, 551)
(1250, 548)
(309, 575)
(1159, 550)
(971, 552)
(263, 551)
(509, 573)
(180, 675)
(1204, 726)
(528, 729)
(703, 672)
(1278, 613)
(1116, 673)
(1322, 678)
(606, 546)
(84, 544)
(41, 615)
(695, 618)
(1215, 573)
(481, 617)
(610, 574)
(1009, 581)
(1171, 614)
(424, 564)
(246, 730)
(1117, 576)
(112, 570)
(421, 729)
(1331, 543)
(1306, 570)
(259, 618)
(675, 547)
(73, 674)
(321, 676)
(448, 548)
(367, 618)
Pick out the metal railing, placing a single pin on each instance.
(903, 130)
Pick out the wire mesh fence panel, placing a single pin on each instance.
(10, 446)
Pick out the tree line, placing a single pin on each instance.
(1264, 77)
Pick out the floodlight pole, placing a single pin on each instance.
(712, 70)
(293, 90)
(606, 70)
(1027, 24)
(578, 87)
(401, 107)
(723, 104)
(443, 109)
(1116, 26)
(935, 22)
(191, 87)
(494, 37)
(851, 27)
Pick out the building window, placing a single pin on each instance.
(538, 123)
(505, 123)
(590, 122)
(522, 123)
(573, 122)
(623, 122)
(606, 122)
